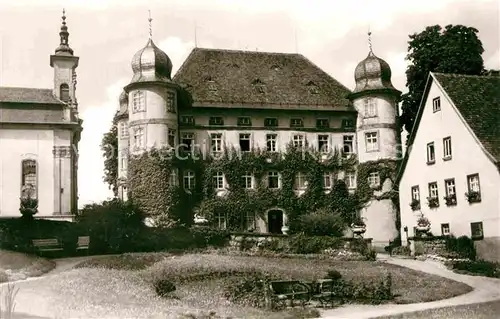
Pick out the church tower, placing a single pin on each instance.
(376, 101)
(66, 141)
(123, 145)
(152, 100)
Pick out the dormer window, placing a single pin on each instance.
(259, 85)
(64, 92)
(312, 87)
(347, 123)
(275, 67)
(138, 102)
(187, 120)
(210, 83)
(271, 122)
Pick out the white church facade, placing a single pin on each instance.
(39, 135)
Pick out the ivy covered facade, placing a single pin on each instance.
(238, 139)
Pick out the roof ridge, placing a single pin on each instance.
(23, 87)
(246, 51)
(466, 75)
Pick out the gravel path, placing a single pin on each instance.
(485, 290)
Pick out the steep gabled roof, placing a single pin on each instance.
(261, 78)
(477, 99)
(28, 96)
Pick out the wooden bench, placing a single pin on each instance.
(325, 291)
(43, 245)
(286, 290)
(83, 243)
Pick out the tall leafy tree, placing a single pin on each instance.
(109, 148)
(454, 49)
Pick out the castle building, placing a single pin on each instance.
(39, 135)
(247, 100)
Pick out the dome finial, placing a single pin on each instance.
(150, 26)
(64, 36)
(370, 39)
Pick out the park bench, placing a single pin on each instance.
(325, 291)
(45, 245)
(289, 290)
(83, 243)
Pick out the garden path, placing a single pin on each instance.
(485, 289)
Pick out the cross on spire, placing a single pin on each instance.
(150, 26)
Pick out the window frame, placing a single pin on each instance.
(436, 104)
(278, 179)
(443, 227)
(218, 180)
(138, 102)
(216, 121)
(377, 142)
(481, 228)
(272, 140)
(447, 146)
(271, 122)
(190, 177)
(324, 143)
(296, 122)
(322, 123)
(431, 152)
(245, 137)
(376, 176)
(244, 121)
(27, 165)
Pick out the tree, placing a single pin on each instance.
(109, 147)
(456, 49)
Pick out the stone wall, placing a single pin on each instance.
(428, 246)
(252, 241)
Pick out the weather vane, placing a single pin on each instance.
(369, 38)
(150, 27)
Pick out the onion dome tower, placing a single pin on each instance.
(378, 141)
(152, 96)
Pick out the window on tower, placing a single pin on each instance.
(370, 107)
(171, 138)
(170, 102)
(64, 92)
(371, 141)
(138, 102)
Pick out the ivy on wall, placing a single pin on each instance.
(149, 185)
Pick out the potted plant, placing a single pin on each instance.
(423, 224)
(358, 225)
(450, 200)
(415, 204)
(473, 196)
(29, 202)
(433, 202)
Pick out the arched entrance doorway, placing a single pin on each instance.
(274, 221)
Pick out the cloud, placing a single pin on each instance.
(97, 121)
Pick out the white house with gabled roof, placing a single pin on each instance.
(451, 171)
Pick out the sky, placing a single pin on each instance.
(106, 34)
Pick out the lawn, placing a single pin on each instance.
(16, 266)
(121, 286)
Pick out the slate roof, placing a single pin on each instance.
(27, 96)
(273, 80)
(477, 98)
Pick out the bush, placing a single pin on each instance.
(114, 226)
(321, 223)
(164, 287)
(362, 247)
(247, 290)
(480, 267)
(366, 291)
(302, 244)
(463, 246)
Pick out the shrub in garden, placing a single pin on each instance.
(463, 246)
(302, 244)
(480, 267)
(362, 247)
(114, 226)
(247, 290)
(321, 223)
(402, 251)
(164, 287)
